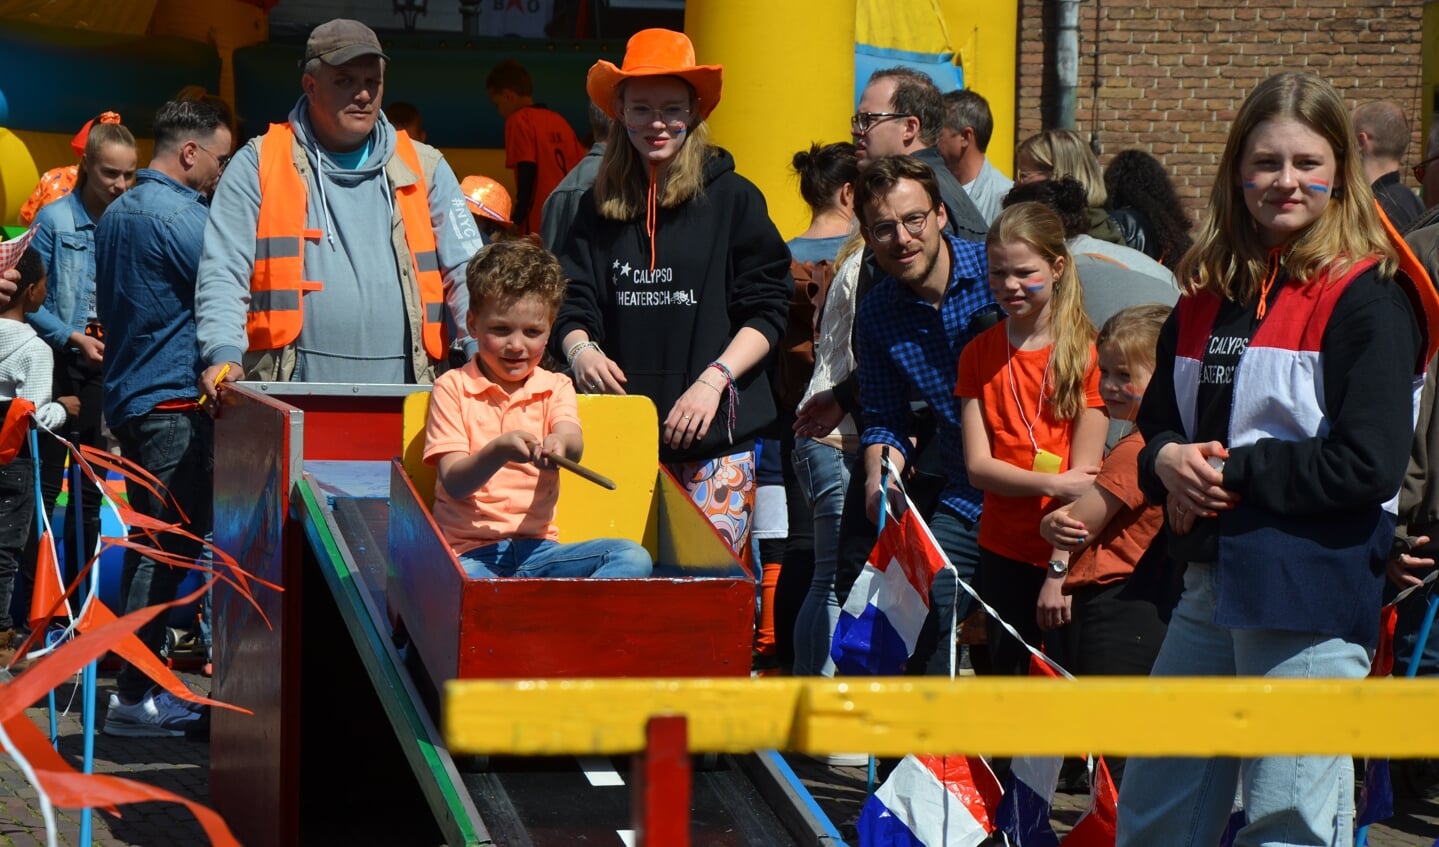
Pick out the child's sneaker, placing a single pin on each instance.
(159, 715)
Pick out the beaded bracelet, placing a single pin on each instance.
(579, 348)
(731, 418)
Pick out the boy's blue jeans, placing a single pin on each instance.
(611, 558)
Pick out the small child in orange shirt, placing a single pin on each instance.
(1033, 423)
(1104, 533)
(495, 422)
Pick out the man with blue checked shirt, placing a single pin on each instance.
(932, 299)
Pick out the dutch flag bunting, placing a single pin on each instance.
(881, 620)
(930, 801)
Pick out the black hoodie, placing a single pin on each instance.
(719, 265)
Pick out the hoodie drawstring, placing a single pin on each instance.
(652, 212)
(324, 201)
(1271, 273)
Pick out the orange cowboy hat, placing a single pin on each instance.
(655, 52)
(487, 198)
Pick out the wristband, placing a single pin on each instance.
(723, 369)
(579, 348)
(732, 393)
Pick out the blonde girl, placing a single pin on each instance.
(679, 282)
(1032, 417)
(1277, 430)
(1104, 534)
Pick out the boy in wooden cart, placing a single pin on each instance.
(495, 423)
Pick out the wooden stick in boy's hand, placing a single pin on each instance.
(580, 470)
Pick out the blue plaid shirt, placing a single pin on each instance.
(907, 348)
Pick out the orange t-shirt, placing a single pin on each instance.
(467, 411)
(1112, 557)
(535, 134)
(993, 372)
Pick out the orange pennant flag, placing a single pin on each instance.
(49, 585)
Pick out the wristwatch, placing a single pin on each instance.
(1058, 568)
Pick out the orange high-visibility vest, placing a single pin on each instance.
(277, 285)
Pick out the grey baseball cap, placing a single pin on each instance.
(337, 42)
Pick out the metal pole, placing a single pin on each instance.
(77, 505)
(1066, 62)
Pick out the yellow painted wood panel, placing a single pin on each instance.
(1130, 716)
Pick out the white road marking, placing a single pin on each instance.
(600, 772)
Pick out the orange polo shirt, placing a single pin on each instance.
(467, 411)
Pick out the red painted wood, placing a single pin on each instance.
(660, 798)
(254, 759)
(425, 585)
(525, 628)
(358, 427)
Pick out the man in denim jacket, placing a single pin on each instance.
(147, 251)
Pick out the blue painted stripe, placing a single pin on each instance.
(790, 777)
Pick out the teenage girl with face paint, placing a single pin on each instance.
(679, 283)
(1033, 422)
(1104, 533)
(1277, 428)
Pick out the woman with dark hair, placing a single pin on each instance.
(679, 281)
(1143, 203)
(826, 176)
(827, 440)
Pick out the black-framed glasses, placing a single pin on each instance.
(222, 161)
(885, 231)
(643, 116)
(1420, 168)
(862, 122)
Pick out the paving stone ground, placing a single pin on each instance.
(182, 766)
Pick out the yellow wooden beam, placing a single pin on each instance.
(1004, 717)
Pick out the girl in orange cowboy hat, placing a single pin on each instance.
(679, 280)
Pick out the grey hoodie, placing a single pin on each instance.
(356, 329)
(26, 367)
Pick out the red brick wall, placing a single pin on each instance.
(1173, 72)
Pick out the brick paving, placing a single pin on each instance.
(182, 766)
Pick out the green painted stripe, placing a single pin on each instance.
(425, 756)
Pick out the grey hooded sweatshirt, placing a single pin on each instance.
(359, 327)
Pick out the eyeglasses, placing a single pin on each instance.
(222, 161)
(1022, 176)
(1419, 168)
(670, 116)
(863, 122)
(885, 231)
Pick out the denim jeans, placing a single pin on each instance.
(958, 537)
(603, 558)
(823, 474)
(177, 448)
(17, 524)
(1288, 800)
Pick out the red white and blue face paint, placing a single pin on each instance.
(1287, 172)
(1021, 280)
(657, 112)
(1121, 383)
